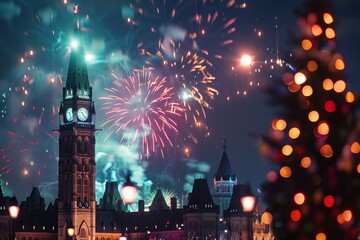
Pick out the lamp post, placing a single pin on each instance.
(248, 204)
(13, 212)
(71, 231)
(128, 191)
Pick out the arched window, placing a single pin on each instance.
(86, 146)
(79, 147)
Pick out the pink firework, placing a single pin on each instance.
(141, 109)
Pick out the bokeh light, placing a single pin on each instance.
(295, 215)
(328, 19)
(266, 218)
(305, 162)
(330, 106)
(328, 84)
(339, 86)
(294, 132)
(306, 44)
(299, 198)
(330, 33)
(323, 128)
(307, 91)
(329, 201)
(299, 78)
(313, 116)
(287, 150)
(326, 151)
(316, 30)
(320, 236)
(349, 97)
(285, 172)
(339, 64)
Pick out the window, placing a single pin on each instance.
(79, 148)
(86, 148)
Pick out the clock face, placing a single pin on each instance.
(82, 114)
(69, 114)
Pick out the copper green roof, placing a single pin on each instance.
(77, 83)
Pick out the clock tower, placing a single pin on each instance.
(76, 197)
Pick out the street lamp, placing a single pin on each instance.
(71, 231)
(248, 204)
(13, 212)
(128, 191)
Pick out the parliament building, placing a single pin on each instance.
(209, 213)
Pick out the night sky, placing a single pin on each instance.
(184, 41)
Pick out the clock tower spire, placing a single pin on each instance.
(76, 197)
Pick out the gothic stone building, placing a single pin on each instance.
(75, 205)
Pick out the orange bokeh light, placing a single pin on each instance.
(349, 97)
(323, 128)
(340, 219)
(328, 84)
(312, 66)
(306, 44)
(316, 30)
(307, 91)
(347, 215)
(294, 133)
(355, 147)
(299, 198)
(280, 124)
(328, 18)
(305, 162)
(320, 236)
(326, 151)
(285, 172)
(287, 150)
(339, 64)
(330, 33)
(313, 116)
(339, 86)
(293, 87)
(266, 218)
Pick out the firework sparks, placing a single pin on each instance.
(192, 82)
(142, 107)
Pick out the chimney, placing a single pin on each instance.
(173, 203)
(141, 206)
(189, 198)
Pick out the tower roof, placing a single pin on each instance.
(159, 202)
(235, 207)
(200, 195)
(224, 170)
(111, 194)
(238, 192)
(35, 196)
(77, 82)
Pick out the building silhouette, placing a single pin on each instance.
(200, 218)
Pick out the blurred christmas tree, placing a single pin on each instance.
(315, 191)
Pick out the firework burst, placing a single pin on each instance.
(141, 107)
(193, 84)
